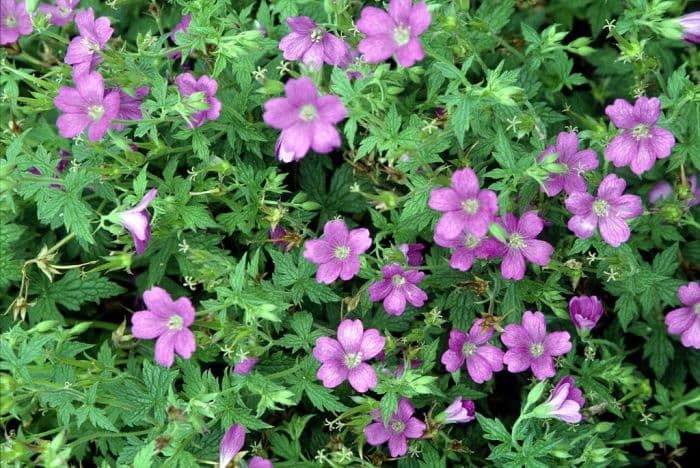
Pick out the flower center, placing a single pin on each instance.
(471, 205)
(397, 426)
(402, 34)
(317, 34)
(468, 349)
(92, 46)
(516, 241)
(308, 113)
(342, 252)
(471, 242)
(175, 323)
(10, 21)
(537, 349)
(398, 281)
(64, 11)
(640, 131)
(353, 360)
(96, 112)
(600, 207)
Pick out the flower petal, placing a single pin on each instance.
(362, 377)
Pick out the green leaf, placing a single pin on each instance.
(494, 429)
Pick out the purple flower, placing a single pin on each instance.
(83, 50)
(203, 105)
(521, 244)
(413, 254)
(686, 320)
(306, 120)
(245, 366)
(130, 106)
(465, 207)
(137, 221)
(608, 211)
(232, 443)
(660, 191)
(694, 191)
(180, 27)
(313, 45)
(467, 249)
(482, 359)
(338, 253)
(393, 33)
(397, 287)
(167, 321)
(259, 462)
(61, 13)
(641, 143)
(691, 27)
(585, 311)
(576, 162)
(460, 411)
(277, 236)
(87, 106)
(401, 426)
(15, 21)
(566, 401)
(344, 358)
(530, 347)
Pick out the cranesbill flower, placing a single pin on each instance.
(660, 191)
(585, 311)
(306, 120)
(529, 346)
(521, 244)
(685, 321)
(400, 427)
(482, 359)
(467, 249)
(576, 162)
(231, 444)
(608, 211)
(181, 28)
(313, 45)
(344, 358)
(138, 222)
(130, 106)
(277, 236)
(86, 106)
(245, 366)
(167, 321)
(395, 32)
(61, 13)
(565, 402)
(465, 207)
(691, 27)
(413, 253)
(460, 411)
(83, 50)
(397, 287)
(642, 142)
(338, 253)
(203, 104)
(14, 21)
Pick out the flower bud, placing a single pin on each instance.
(585, 311)
(671, 213)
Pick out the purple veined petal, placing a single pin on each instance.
(622, 114)
(372, 344)
(535, 325)
(621, 150)
(583, 225)
(530, 225)
(444, 199)
(568, 412)
(573, 183)
(517, 359)
(679, 320)
(457, 339)
(488, 202)
(515, 336)
(451, 224)
(420, 19)
(335, 51)
(331, 109)
(689, 294)
(614, 231)
(409, 54)
(379, 290)
(691, 337)
(350, 333)
(297, 138)
(313, 57)
(462, 259)
(377, 434)
(324, 137)
(492, 355)
(362, 378)
(415, 428)
(146, 200)
(479, 369)
(294, 45)
(349, 268)
(318, 251)
(378, 48)
(391, 269)
(662, 141)
(259, 462)
(644, 159)
(183, 307)
(214, 109)
(332, 373)
(478, 334)
(538, 252)
(414, 276)
(584, 160)
(72, 125)
(452, 360)
(90, 86)
(557, 343)
(359, 240)
(397, 445)
(414, 295)
(184, 343)
(543, 367)
(329, 272)
(69, 100)
(186, 84)
(158, 301)
(400, 11)
(328, 349)
(374, 21)
(513, 265)
(567, 143)
(135, 222)
(231, 444)
(465, 183)
(660, 191)
(146, 325)
(165, 349)
(245, 366)
(395, 302)
(647, 111)
(301, 91)
(336, 233)
(103, 30)
(611, 187)
(627, 206)
(405, 409)
(301, 24)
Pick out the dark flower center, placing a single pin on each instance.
(516, 241)
(468, 349)
(402, 34)
(640, 132)
(470, 205)
(342, 252)
(601, 207)
(175, 323)
(96, 112)
(317, 34)
(398, 281)
(353, 360)
(308, 113)
(537, 349)
(397, 426)
(10, 21)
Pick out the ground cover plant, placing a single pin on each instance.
(346, 233)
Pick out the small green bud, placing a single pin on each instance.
(388, 200)
(603, 427)
(310, 206)
(671, 213)
(46, 325)
(79, 328)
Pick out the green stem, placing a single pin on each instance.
(514, 431)
(96, 435)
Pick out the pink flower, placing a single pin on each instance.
(83, 50)
(566, 401)
(585, 311)
(60, 14)
(685, 321)
(608, 211)
(313, 44)
(87, 106)
(203, 105)
(306, 120)
(181, 28)
(393, 33)
(401, 426)
(277, 236)
(530, 347)
(338, 253)
(642, 142)
(344, 358)
(482, 359)
(397, 287)
(577, 162)
(245, 366)
(521, 244)
(14, 21)
(413, 254)
(660, 191)
(465, 207)
(138, 222)
(130, 106)
(460, 411)
(691, 27)
(232, 443)
(467, 249)
(167, 321)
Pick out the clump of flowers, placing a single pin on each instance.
(15, 21)
(338, 253)
(61, 13)
(200, 100)
(585, 311)
(84, 50)
(482, 359)
(398, 287)
(401, 426)
(576, 162)
(685, 321)
(344, 358)
(468, 248)
(313, 45)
